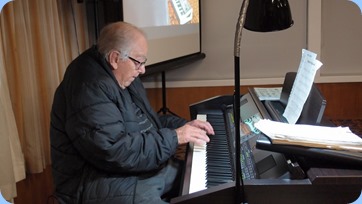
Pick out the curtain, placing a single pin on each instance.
(39, 38)
(11, 156)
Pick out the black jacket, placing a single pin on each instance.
(99, 145)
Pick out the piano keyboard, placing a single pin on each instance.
(211, 162)
(198, 167)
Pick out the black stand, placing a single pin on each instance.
(164, 108)
(239, 182)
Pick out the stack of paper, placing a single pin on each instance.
(338, 138)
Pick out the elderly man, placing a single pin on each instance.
(107, 144)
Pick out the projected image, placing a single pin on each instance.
(146, 13)
(183, 11)
(172, 26)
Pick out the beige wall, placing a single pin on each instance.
(266, 57)
(341, 38)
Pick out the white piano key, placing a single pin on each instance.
(198, 172)
(200, 147)
(198, 167)
(202, 117)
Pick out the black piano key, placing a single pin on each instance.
(218, 166)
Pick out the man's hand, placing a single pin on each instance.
(195, 131)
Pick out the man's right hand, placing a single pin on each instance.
(189, 133)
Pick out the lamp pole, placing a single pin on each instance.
(239, 183)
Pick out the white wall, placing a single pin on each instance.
(341, 41)
(266, 57)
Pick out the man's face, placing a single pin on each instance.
(134, 64)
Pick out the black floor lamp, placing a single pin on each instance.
(259, 16)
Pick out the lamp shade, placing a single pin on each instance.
(268, 15)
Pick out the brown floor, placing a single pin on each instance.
(35, 189)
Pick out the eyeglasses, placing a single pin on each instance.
(137, 63)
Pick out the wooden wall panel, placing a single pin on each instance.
(344, 100)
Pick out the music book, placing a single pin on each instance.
(336, 138)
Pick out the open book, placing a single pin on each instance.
(337, 138)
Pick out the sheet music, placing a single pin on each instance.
(339, 138)
(302, 85)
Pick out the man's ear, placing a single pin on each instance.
(113, 58)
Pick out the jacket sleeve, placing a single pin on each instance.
(172, 121)
(100, 132)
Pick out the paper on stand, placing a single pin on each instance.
(339, 138)
(302, 85)
(271, 94)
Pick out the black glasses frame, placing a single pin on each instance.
(139, 64)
